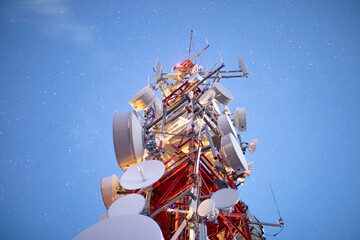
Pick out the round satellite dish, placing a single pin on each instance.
(128, 139)
(128, 204)
(109, 187)
(225, 199)
(225, 126)
(216, 107)
(240, 119)
(130, 227)
(233, 154)
(223, 95)
(158, 107)
(142, 174)
(252, 145)
(207, 210)
(207, 97)
(143, 99)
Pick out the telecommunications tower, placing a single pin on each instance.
(184, 160)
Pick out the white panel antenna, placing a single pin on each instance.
(158, 107)
(158, 70)
(242, 66)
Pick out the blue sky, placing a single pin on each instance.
(68, 66)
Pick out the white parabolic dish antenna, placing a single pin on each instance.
(225, 126)
(142, 174)
(207, 208)
(225, 198)
(109, 187)
(128, 204)
(234, 156)
(128, 139)
(129, 227)
(143, 99)
(240, 119)
(223, 95)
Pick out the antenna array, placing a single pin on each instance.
(183, 159)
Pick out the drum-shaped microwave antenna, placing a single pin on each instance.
(225, 199)
(207, 97)
(233, 154)
(142, 174)
(225, 126)
(128, 139)
(143, 99)
(109, 187)
(240, 119)
(223, 95)
(128, 204)
(208, 210)
(252, 145)
(133, 226)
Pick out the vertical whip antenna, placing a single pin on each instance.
(275, 200)
(190, 44)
